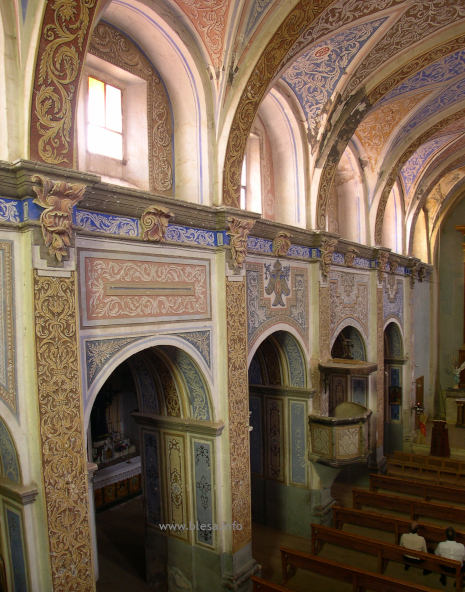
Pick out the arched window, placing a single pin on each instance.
(251, 177)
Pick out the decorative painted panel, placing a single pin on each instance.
(117, 290)
(114, 225)
(63, 449)
(295, 360)
(176, 484)
(298, 437)
(14, 524)
(256, 435)
(10, 210)
(9, 464)
(274, 438)
(201, 340)
(393, 299)
(187, 235)
(152, 478)
(7, 326)
(100, 351)
(272, 300)
(348, 298)
(203, 492)
(321, 440)
(195, 386)
(347, 441)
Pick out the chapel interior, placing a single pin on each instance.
(232, 258)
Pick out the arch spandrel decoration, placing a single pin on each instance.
(60, 56)
(9, 464)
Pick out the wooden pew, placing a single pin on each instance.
(360, 579)
(411, 506)
(419, 488)
(441, 470)
(385, 552)
(261, 585)
(388, 523)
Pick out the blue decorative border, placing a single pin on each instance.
(11, 210)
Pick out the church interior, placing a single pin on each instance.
(232, 238)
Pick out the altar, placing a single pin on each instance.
(455, 406)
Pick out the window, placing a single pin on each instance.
(251, 179)
(104, 119)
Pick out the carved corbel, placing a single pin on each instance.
(58, 199)
(281, 244)
(154, 223)
(382, 260)
(238, 234)
(328, 246)
(349, 256)
(417, 271)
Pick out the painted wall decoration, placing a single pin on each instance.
(315, 74)
(262, 314)
(277, 278)
(7, 326)
(9, 464)
(99, 352)
(151, 450)
(204, 490)
(296, 365)
(298, 437)
(196, 388)
(201, 340)
(64, 32)
(98, 222)
(14, 523)
(176, 483)
(10, 210)
(348, 298)
(275, 438)
(63, 449)
(118, 290)
(146, 385)
(393, 300)
(347, 441)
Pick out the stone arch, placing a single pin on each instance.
(353, 325)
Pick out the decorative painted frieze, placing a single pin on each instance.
(10, 210)
(114, 225)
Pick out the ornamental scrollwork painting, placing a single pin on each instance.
(58, 199)
(238, 233)
(65, 30)
(154, 223)
(64, 464)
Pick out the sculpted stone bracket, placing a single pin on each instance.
(417, 271)
(328, 246)
(58, 199)
(154, 223)
(238, 233)
(381, 261)
(281, 243)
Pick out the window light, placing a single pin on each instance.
(105, 121)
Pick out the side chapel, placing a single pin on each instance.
(231, 259)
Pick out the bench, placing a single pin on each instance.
(261, 585)
(385, 552)
(388, 523)
(442, 470)
(413, 507)
(419, 488)
(360, 579)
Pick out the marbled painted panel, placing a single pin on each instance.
(99, 352)
(256, 435)
(274, 438)
(298, 437)
(118, 290)
(14, 524)
(348, 298)
(7, 327)
(9, 464)
(264, 310)
(176, 484)
(152, 477)
(204, 489)
(393, 300)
